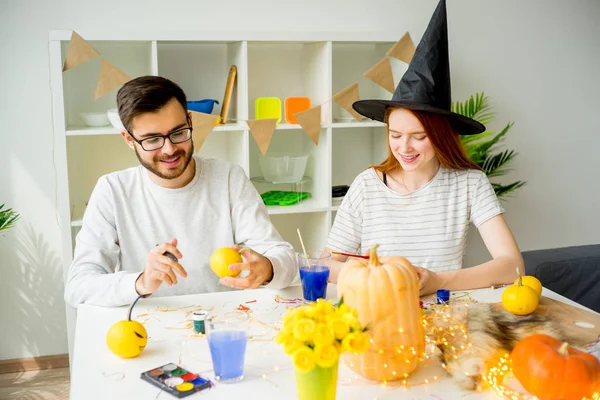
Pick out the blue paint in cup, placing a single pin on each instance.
(314, 282)
(443, 296)
(314, 274)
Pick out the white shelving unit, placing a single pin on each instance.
(269, 65)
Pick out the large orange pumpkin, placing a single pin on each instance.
(385, 292)
(551, 369)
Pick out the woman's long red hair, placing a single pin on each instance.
(444, 139)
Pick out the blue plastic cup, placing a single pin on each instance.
(227, 334)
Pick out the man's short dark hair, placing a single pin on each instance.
(146, 94)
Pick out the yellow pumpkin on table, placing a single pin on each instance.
(520, 299)
(385, 292)
(530, 281)
(127, 338)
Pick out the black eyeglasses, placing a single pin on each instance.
(157, 142)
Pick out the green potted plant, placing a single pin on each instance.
(8, 218)
(481, 148)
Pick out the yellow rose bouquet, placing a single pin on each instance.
(315, 336)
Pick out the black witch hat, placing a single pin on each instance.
(426, 84)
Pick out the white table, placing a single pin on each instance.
(98, 374)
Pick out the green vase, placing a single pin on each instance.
(318, 384)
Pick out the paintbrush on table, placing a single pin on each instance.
(350, 255)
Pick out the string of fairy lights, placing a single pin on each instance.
(445, 329)
(434, 336)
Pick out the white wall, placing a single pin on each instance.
(538, 60)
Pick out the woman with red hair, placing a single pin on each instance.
(420, 201)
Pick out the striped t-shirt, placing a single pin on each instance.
(427, 226)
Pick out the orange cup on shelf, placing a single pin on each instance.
(294, 105)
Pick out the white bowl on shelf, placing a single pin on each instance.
(344, 116)
(344, 119)
(115, 121)
(94, 118)
(337, 201)
(283, 167)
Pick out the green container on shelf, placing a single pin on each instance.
(283, 198)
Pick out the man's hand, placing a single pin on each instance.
(160, 268)
(261, 270)
(429, 281)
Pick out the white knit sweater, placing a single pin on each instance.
(128, 215)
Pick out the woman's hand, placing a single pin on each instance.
(429, 281)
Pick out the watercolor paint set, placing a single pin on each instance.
(175, 380)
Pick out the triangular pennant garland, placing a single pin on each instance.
(262, 131)
(202, 125)
(382, 75)
(310, 120)
(346, 97)
(79, 51)
(110, 78)
(403, 50)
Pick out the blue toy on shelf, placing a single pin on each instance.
(203, 106)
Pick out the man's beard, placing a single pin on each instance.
(154, 165)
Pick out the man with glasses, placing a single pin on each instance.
(142, 225)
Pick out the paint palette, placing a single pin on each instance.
(175, 380)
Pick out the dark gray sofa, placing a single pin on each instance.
(573, 272)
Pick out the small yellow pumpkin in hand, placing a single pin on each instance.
(222, 258)
(520, 299)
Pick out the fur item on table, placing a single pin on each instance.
(490, 331)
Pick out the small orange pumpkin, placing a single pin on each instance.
(385, 292)
(551, 369)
